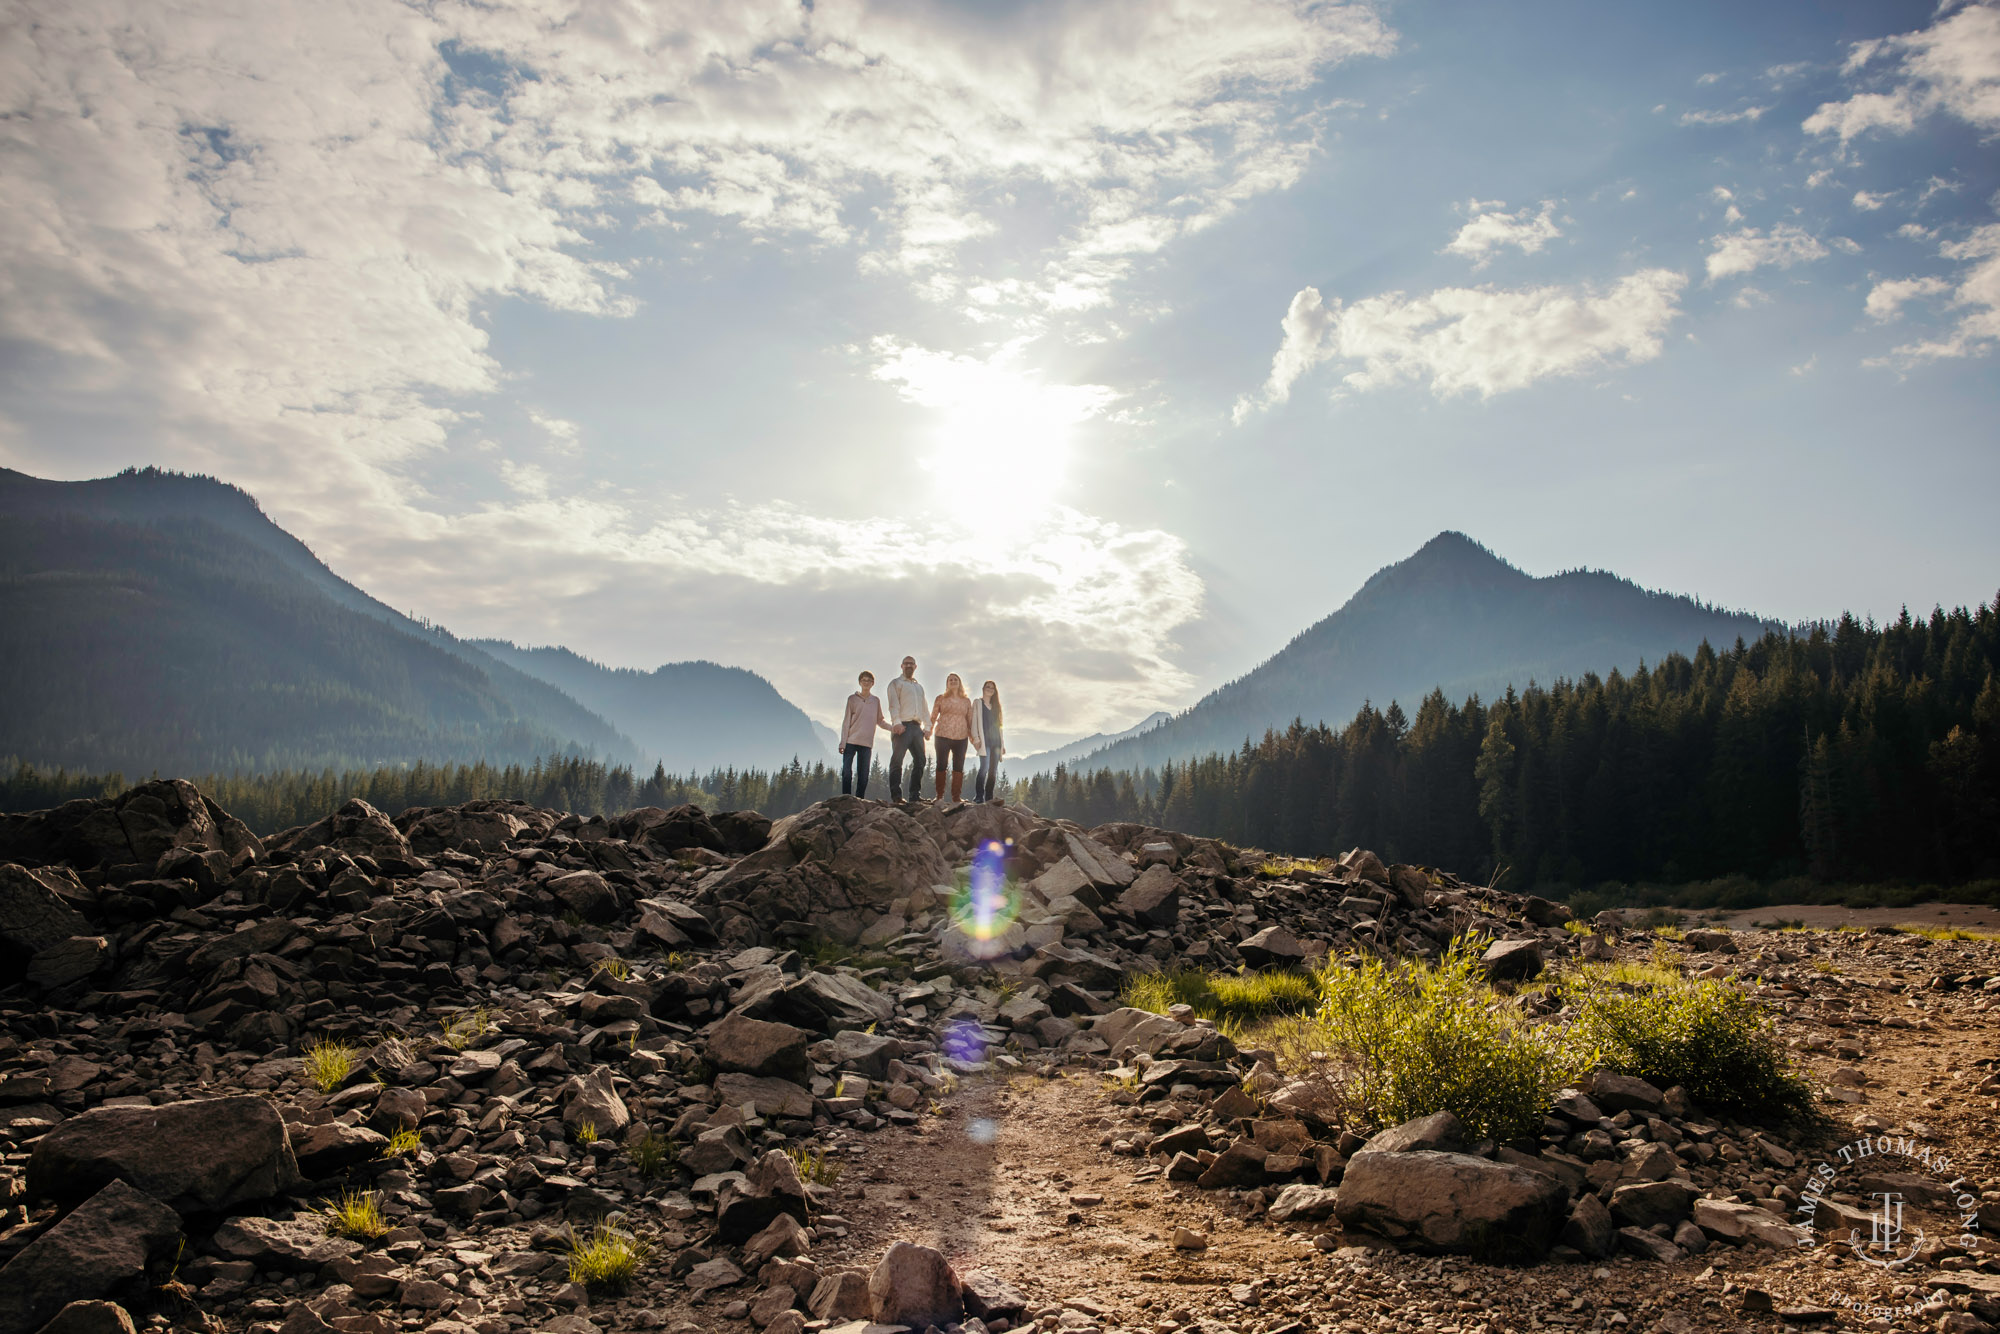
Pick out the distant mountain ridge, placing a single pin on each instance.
(158, 621)
(686, 715)
(1069, 753)
(1453, 617)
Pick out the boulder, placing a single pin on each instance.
(1451, 1202)
(67, 961)
(91, 1318)
(770, 1188)
(1589, 1228)
(196, 1157)
(771, 1097)
(100, 1251)
(137, 827)
(1241, 1164)
(593, 1098)
(1441, 1131)
(1273, 947)
(829, 1002)
(1642, 1204)
(1707, 941)
(33, 918)
(1732, 1220)
(357, 829)
(476, 827)
(671, 830)
(330, 1149)
(1512, 960)
(1128, 1030)
(915, 1286)
(742, 831)
(1301, 1203)
(1154, 897)
(1366, 865)
(587, 894)
(299, 1245)
(871, 854)
(757, 1047)
(1545, 912)
(841, 1296)
(1623, 1093)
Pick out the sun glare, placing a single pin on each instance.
(1001, 430)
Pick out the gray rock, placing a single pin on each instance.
(587, 894)
(1300, 1202)
(91, 1318)
(356, 828)
(770, 1188)
(593, 1098)
(842, 1296)
(1623, 1093)
(68, 961)
(300, 1245)
(1241, 1164)
(196, 1157)
(1512, 960)
(1440, 1130)
(100, 1250)
(771, 1097)
(915, 1286)
(1452, 1202)
(1639, 1242)
(33, 918)
(1589, 1228)
(1645, 1203)
(758, 1047)
(1154, 897)
(1273, 947)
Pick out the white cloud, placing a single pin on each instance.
(278, 228)
(1950, 68)
(1749, 298)
(1723, 117)
(1481, 340)
(1868, 202)
(1887, 297)
(1974, 293)
(1488, 229)
(1747, 250)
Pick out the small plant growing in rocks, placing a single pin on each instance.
(403, 1144)
(466, 1027)
(653, 1154)
(356, 1215)
(1239, 998)
(815, 1168)
(585, 1132)
(327, 1064)
(605, 1259)
(614, 968)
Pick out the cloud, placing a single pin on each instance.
(1481, 340)
(1867, 202)
(1722, 117)
(1748, 250)
(1489, 229)
(1950, 68)
(276, 232)
(1974, 293)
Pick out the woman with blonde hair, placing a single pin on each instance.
(951, 728)
(986, 723)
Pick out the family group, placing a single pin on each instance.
(952, 721)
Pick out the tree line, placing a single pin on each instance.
(1847, 751)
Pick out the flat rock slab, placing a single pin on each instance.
(101, 1250)
(194, 1157)
(1451, 1202)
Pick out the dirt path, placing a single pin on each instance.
(1011, 1179)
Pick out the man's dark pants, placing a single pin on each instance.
(909, 741)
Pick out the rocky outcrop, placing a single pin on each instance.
(136, 829)
(102, 1250)
(1451, 1202)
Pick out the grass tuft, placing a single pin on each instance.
(327, 1064)
(613, 967)
(403, 1143)
(1227, 998)
(466, 1027)
(1946, 932)
(1277, 868)
(584, 1132)
(605, 1259)
(815, 1168)
(653, 1155)
(356, 1215)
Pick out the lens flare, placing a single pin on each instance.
(986, 907)
(983, 1130)
(965, 1041)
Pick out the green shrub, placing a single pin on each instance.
(1709, 1037)
(1390, 1043)
(356, 1215)
(815, 1168)
(652, 1154)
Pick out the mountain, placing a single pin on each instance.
(1454, 617)
(157, 621)
(686, 715)
(1044, 760)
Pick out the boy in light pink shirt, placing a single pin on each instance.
(857, 735)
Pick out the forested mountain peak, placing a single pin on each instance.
(1454, 616)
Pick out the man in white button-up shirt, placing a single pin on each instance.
(907, 711)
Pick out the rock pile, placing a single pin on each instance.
(525, 1025)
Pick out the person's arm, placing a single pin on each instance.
(847, 719)
(882, 718)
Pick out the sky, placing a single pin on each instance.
(1097, 348)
